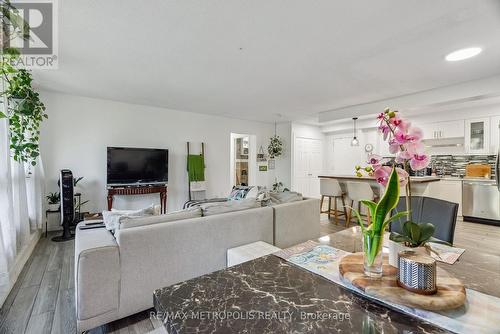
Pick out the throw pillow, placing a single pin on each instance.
(239, 192)
(285, 197)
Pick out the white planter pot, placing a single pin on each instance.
(396, 247)
(54, 207)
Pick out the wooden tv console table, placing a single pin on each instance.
(139, 190)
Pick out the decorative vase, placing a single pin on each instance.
(396, 247)
(372, 248)
(54, 207)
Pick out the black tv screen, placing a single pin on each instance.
(137, 165)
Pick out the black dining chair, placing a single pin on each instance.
(442, 214)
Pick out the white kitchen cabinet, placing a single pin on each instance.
(477, 136)
(444, 130)
(495, 134)
(448, 190)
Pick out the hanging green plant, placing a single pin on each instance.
(24, 110)
(275, 148)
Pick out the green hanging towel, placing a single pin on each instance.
(196, 167)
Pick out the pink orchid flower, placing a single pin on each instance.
(383, 173)
(419, 161)
(403, 156)
(401, 124)
(415, 134)
(375, 160)
(401, 137)
(414, 148)
(385, 130)
(394, 146)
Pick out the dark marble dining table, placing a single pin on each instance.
(271, 295)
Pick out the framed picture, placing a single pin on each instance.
(262, 168)
(271, 163)
(261, 156)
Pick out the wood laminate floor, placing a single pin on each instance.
(43, 298)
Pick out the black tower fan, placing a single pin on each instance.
(67, 205)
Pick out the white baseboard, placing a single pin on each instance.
(21, 259)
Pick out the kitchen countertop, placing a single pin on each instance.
(414, 179)
(460, 179)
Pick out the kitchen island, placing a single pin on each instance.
(414, 179)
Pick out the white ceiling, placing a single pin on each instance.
(255, 59)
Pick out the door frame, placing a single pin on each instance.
(252, 158)
(294, 146)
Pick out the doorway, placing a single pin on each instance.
(243, 159)
(308, 165)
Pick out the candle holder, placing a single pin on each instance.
(417, 272)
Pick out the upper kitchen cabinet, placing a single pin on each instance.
(477, 136)
(495, 134)
(443, 130)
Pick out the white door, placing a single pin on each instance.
(307, 166)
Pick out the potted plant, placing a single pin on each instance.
(53, 199)
(275, 148)
(23, 108)
(405, 141)
(279, 187)
(373, 235)
(415, 237)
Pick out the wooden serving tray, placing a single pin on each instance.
(450, 294)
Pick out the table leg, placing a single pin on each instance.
(110, 201)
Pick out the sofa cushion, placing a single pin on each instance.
(128, 222)
(285, 197)
(211, 209)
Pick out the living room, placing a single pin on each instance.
(250, 167)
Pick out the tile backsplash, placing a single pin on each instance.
(454, 165)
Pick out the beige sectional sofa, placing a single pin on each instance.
(115, 276)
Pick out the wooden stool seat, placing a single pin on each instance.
(331, 188)
(356, 192)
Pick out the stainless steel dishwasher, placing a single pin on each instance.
(481, 201)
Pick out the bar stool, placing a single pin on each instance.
(331, 188)
(356, 192)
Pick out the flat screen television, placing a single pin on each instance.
(129, 166)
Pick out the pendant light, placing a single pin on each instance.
(354, 141)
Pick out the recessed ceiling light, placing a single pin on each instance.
(463, 54)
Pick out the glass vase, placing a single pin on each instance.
(372, 249)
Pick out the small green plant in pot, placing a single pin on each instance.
(373, 235)
(53, 200)
(413, 236)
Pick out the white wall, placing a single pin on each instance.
(284, 162)
(79, 129)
